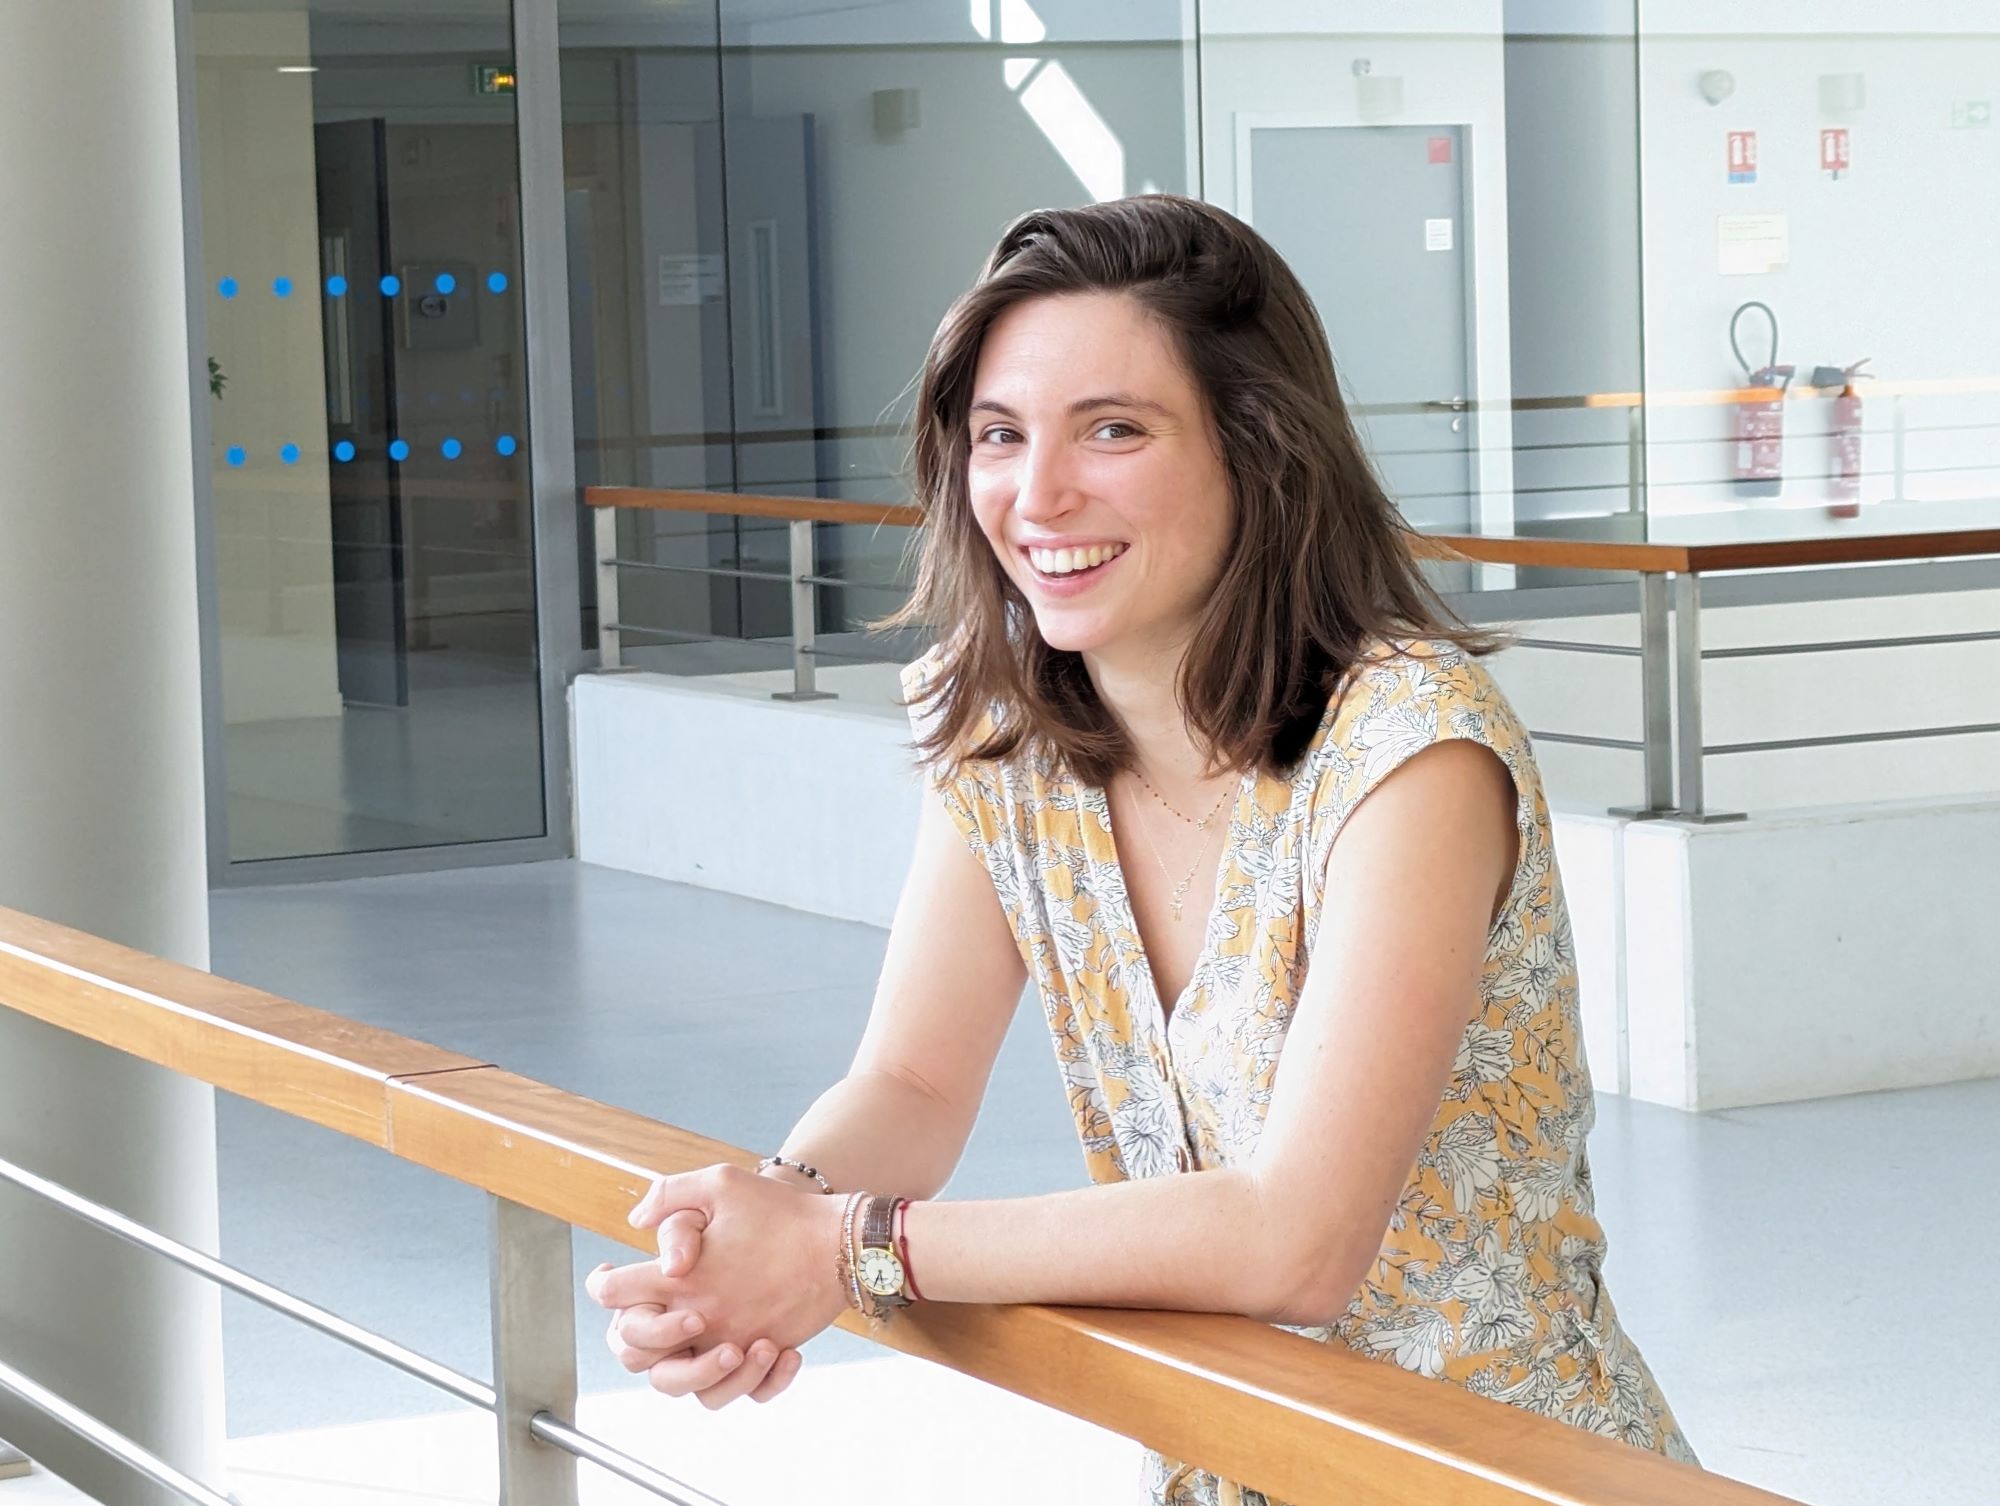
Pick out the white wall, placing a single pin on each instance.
(1893, 261)
(906, 220)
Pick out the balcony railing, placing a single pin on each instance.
(1669, 590)
(1304, 1422)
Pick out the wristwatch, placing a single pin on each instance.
(880, 1267)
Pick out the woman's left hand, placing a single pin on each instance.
(764, 1275)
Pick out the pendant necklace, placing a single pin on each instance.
(1177, 897)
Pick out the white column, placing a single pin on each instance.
(101, 796)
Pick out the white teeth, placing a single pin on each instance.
(1068, 561)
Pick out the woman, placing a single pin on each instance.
(1245, 794)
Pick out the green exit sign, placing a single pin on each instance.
(490, 78)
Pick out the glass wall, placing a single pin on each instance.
(769, 209)
(361, 263)
(1530, 227)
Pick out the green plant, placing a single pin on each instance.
(216, 379)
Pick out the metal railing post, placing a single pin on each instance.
(1655, 701)
(609, 646)
(534, 1352)
(804, 601)
(1687, 732)
(1635, 460)
(1690, 803)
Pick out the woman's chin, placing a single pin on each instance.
(1073, 634)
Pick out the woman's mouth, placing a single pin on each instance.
(1068, 570)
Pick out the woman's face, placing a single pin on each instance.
(1094, 474)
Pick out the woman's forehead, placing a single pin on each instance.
(1061, 351)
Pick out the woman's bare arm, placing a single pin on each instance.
(898, 1122)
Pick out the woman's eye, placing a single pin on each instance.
(999, 433)
(1117, 423)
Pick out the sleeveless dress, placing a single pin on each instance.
(1489, 1275)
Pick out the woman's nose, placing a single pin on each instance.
(1045, 487)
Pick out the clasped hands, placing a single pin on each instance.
(746, 1274)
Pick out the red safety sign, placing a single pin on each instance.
(1742, 156)
(1833, 149)
(1440, 149)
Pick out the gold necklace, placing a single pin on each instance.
(1202, 824)
(1179, 895)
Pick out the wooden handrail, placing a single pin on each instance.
(1559, 554)
(1309, 1423)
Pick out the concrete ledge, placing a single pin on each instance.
(1835, 951)
(810, 805)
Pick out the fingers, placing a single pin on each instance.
(637, 1285)
(640, 1337)
(687, 1189)
(783, 1372)
(680, 1240)
(689, 1375)
(652, 1327)
(744, 1378)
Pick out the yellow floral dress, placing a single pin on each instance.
(1489, 1275)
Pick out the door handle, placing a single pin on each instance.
(1455, 406)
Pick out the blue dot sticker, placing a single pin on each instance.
(451, 449)
(505, 444)
(391, 286)
(446, 283)
(289, 454)
(336, 286)
(399, 449)
(496, 282)
(226, 288)
(282, 286)
(234, 455)
(344, 450)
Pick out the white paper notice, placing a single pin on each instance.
(1437, 235)
(1746, 244)
(689, 279)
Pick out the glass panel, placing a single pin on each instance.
(1833, 175)
(361, 244)
(771, 208)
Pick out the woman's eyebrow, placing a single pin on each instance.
(1081, 405)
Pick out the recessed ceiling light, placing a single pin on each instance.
(298, 68)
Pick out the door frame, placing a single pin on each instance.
(560, 652)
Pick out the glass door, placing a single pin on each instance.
(360, 218)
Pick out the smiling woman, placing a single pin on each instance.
(1173, 604)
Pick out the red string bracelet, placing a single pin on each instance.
(903, 1248)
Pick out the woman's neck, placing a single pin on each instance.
(1139, 690)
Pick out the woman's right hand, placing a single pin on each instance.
(641, 1337)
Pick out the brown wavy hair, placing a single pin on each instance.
(1319, 568)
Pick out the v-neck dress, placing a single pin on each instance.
(1490, 1271)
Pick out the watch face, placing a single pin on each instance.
(881, 1272)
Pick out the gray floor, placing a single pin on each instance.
(1811, 1282)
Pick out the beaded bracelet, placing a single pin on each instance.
(769, 1161)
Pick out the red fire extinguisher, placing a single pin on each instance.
(1844, 479)
(1759, 436)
